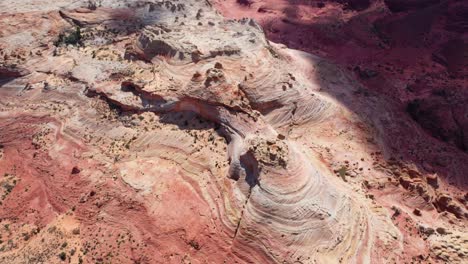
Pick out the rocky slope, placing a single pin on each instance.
(415, 52)
(161, 132)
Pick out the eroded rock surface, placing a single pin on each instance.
(405, 50)
(160, 132)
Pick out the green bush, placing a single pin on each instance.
(342, 172)
(71, 38)
(63, 256)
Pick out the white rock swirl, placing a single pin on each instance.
(286, 207)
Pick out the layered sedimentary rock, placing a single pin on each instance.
(160, 132)
(406, 50)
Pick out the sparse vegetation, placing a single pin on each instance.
(194, 244)
(342, 172)
(63, 256)
(396, 212)
(76, 231)
(73, 38)
(94, 4)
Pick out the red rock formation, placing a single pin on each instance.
(160, 132)
(393, 46)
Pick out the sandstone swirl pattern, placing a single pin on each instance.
(178, 122)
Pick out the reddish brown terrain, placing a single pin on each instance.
(414, 52)
(233, 131)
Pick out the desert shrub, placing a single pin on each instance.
(342, 172)
(70, 38)
(63, 256)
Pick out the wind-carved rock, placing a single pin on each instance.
(162, 41)
(268, 199)
(283, 203)
(174, 42)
